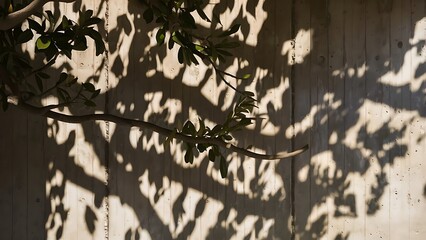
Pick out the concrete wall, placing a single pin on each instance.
(347, 77)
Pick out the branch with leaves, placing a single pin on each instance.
(23, 85)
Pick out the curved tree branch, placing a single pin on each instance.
(150, 126)
(19, 16)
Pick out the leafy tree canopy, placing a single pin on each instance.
(23, 85)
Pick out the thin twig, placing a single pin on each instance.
(219, 72)
(48, 64)
(230, 75)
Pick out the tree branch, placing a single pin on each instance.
(14, 18)
(150, 126)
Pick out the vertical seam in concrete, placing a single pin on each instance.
(365, 97)
(292, 119)
(107, 137)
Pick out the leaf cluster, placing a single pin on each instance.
(59, 35)
(53, 37)
(66, 35)
(236, 120)
(178, 28)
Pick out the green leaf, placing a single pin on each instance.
(212, 155)
(187, 20)
(95, 94)
(161, 35)
(50, 17)
(201, 147)
(88, 14)
(217, 18)
(246, 76)
(63, 95)
(189, 155)
(231, 31)
(192, 57)
(227, 137)
(221, 58)
(92, 21)
(188, 57)
(50, 52)
(188, 128)
(65, 23)
(43, 42)
(171, 43)
(89, 103)
(214, 54)
(84, 17)
(96, 36)
(177, 38)
(36, 26)
(71, 81)
(62, 77)
(216, 129)
(80, 43)
(248, 93)
(163, 8)
(224, 53)
(148, 15)
(244, 122)
(89, 87)
(180, 55)
(223, 166)
(43, 75)
(216, 150)
(199, 48)
(203, 15)
(25, 36)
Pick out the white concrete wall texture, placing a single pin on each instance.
(346, 77)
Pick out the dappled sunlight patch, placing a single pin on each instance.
(317, 220)
(304, 125)
(194, 75)
(268, 105)
(324, 171)
(272, 183)
(361, 129)
(85, 157)
(288, 49)
(255, 21)
(153, 141)
(303, 46)
(124, 43)
(134, 137)
(303, 174)
(268, 128)
(126, 217)
(120, 107)
(68, 210)
(211, 90)
(159, 106)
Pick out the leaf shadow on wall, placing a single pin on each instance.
(136, 159)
